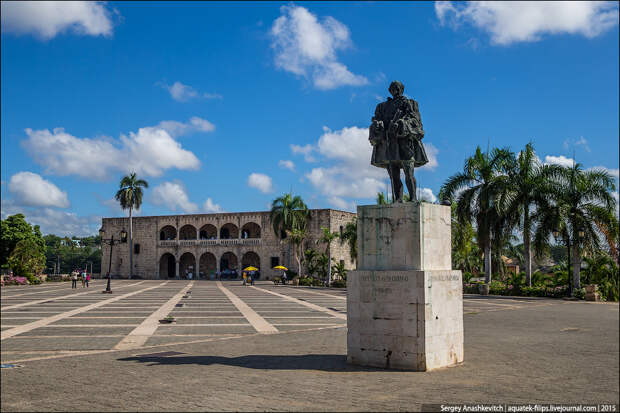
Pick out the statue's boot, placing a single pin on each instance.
(410, 181)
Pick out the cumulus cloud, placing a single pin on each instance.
(261, 182)
(45, 19)
(305, 150)
(30, 189)
(183, 93)
(568, 143)
(54, 221)
(287, 165)
(211, 207)
(149, 152)
(426, 194)
(524, 21)
(559, 160)
(307, 47)
(173, 196)
(195, 124)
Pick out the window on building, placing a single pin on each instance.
(341, 229)
(136, 248)
(275, 261)
(342, 262)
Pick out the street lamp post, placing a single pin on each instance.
(111, 242)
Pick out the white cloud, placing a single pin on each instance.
(45, 19)
(173, 195)
(431, 154)
(261, 182)
(211, 207)
(195, 124)
(305, 150)
(287, 165)
(340, 203)
(568, 143)
(307, 47)
(54, 221)
(524, 21)
(30, 189)
(183, 93)
(426, 194)
(342, 181)
(613, 172)
(114, 206)
(559, 160)
(149, 152)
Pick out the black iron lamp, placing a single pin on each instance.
(111, 242)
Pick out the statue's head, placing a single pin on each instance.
(396, 88)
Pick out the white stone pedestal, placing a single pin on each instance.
(404, 303)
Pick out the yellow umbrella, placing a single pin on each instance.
(250, 269)
(280, 267)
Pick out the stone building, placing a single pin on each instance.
(170, 246)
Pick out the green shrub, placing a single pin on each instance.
(290, 274)
(467, 276)
(580, 293)
(339, 284)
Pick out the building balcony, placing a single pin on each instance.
(209, 242)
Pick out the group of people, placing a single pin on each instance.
(248, 277)
(82, 275)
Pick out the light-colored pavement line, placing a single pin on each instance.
(318, 293)
(48, 320)
(49, 290)
(306, 304)
(139, 335)
(64, 297)
(259, 323)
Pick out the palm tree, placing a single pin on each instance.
(577, 210)
(475, 190)
(296, 237)
(288, 213)
(130, 196)
(381, 200)
(522, 194)
(326, 238)
(349, 235)
(310, 257)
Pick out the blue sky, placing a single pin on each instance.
(225, 106)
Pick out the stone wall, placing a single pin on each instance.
(147, 232)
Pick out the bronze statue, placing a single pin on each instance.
(396, 136)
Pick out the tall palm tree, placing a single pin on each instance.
(349, 235)
(326, 238)
(522, 195)
(130, 196)
(578, 210)
(288, 212)
(475, 191)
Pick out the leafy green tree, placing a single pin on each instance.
(465, 252)
(14, 229)
(577, 209)
(475, 191)
(296, 237)
(327, 237)
(130, 196)
(381, 199)
(27, 258)
(310, 261)
(349, 235)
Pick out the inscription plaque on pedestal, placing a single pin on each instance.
(405, 303)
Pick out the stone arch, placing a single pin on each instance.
(229, 231)
(167, 233)
(229, 261)
(250, 258)
(167, 266)
(208, 265)
(208, 231)
(250, 230)
(187, 262)
(187, 232)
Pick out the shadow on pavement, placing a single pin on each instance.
(324, 362)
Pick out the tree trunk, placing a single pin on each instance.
(576, 266)
(527, 250)
(130, 243)
(487, 262)
(329, 265)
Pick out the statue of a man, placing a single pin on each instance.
(396, 136)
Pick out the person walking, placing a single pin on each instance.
(244, 276)
(83, 279)
(284, 278)
(251, 277)
(74, 275)
(87, 279)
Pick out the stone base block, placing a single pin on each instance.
(410, 320)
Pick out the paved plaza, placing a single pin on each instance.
(270, 347)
